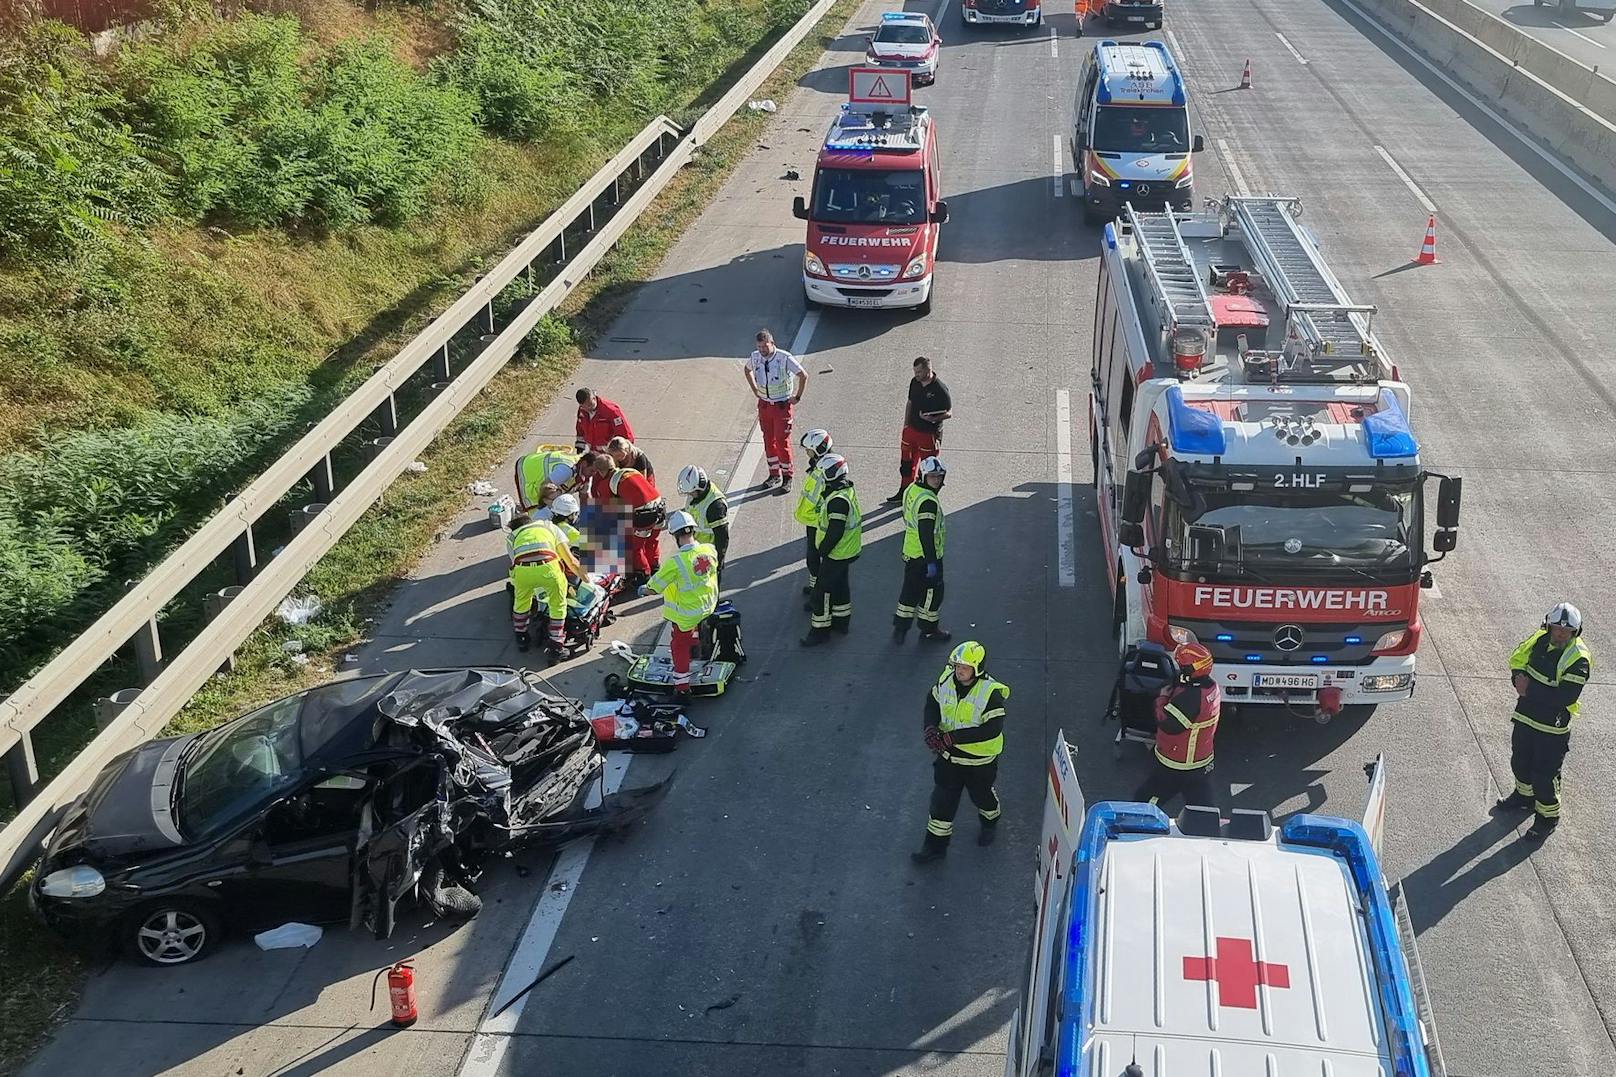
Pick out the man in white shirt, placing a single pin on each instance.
(777, 380)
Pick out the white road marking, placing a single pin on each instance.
(1054, 43)
(1236, 178)
(1433, 591)
(1574, 33)
(1408, 181)
(532, 951)
(805, 333)
(1283, 40)
(1548, 158)
(1178, 50)
(1066, 537)
(1058, 177)
(942, 13)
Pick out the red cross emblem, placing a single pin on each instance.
(1236, 973)
(703, 565)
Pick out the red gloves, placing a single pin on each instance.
(937, 740)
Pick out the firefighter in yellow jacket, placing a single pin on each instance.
(816, 443)
(964, 726)
(1549, 670)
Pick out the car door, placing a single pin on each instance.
(299, 856)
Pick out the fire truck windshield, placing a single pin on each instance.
(1312, 531)
(870, 196)
(1141, 129)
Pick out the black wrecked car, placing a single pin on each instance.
(335, 804)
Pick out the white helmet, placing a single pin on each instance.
(561, 474)
(691, 479)
(1565, 615)
(932, 465)
(832, 466)
(680, 521)
(816, 441)
(565, 505)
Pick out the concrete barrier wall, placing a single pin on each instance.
(1499, 74)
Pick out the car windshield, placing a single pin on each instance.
(1306, 532)
(1141, 129)
(902, 33)
(233, 768)
(870, 196)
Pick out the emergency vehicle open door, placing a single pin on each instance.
(1032, 1029)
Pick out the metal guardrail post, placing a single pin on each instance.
(244, 553)
(303, 517)
(108, 708)
(214, 605)
(324, 480)
(23, 770)
(387, 415)
(148, 644)
(445, 363)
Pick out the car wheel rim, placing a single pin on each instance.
(171, 937)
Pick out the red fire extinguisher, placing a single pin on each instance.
(400, 990)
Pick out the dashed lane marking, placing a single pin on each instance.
(1237, 179)
(1408, 181)
(1283, 40)
(1058, 172)
(1065, 537)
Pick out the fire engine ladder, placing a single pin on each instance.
(1295, 271)
(1177, 285)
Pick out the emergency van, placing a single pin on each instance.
(876, 208)
(1257, 477)
(1222, 946)
(1132, 140)
(1000, 12)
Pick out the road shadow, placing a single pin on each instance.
(1551, 17)
(1436, 887)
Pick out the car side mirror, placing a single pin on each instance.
(799, 208)
(1445, 541)
(1132, 534)
(1135, 498)
(1198, 145)
(939, 212)
(1448, 496)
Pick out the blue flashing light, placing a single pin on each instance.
(1104, 96)
(1388, 431)
(1320, 658)
(1191, 430)
(1160, 45)
(1354, 639)
(1111, 235)
(1105, 821)
(1347, 841)
(1253, 658)
(1124, 184)
(1224, 637)
(1179, 97)
(901, 16)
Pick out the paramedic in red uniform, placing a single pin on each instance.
(1186, 725)
(638, 493)
(777, 379)
(599, 421)
(922, 437)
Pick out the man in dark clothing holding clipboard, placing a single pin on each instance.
(929, 404)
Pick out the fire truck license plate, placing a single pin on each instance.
(861, 301)
(1286, 680)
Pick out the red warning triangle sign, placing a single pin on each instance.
(880, 89)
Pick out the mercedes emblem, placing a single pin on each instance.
(1293, 545)
(1288, 637)
(864, 272)
(1143, 189)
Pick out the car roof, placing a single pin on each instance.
(903, 18)
(346, 718)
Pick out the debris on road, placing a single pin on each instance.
(415, 467)
(792, 174)
(483, 488)
(299, 611)
(292, 646)
(724, 1004)
(289, 937)
(764, 105)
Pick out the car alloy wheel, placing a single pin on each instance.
(172, 936)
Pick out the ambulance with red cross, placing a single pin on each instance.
(1217, 946)
(875, 211)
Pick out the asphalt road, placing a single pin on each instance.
(1583, 35)
(767, 919)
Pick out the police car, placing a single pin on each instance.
(906, 40)
(1210, 945)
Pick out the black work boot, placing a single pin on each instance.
(1513, 802)
(522, 642)
(900, 629)
(934, 848)
(936, 634)
(815, 637)
(1541, 828)
(841, 625)
(989, 831)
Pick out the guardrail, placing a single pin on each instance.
(238, 611)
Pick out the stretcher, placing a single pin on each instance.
(653, 674)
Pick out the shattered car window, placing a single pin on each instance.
(240, 765)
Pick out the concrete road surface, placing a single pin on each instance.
(767, 919)
(1584, 35)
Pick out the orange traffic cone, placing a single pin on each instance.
(1428, 248)
(1245, 77)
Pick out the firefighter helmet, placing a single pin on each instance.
(691, 479)
(932, 465)
(816, 441)
(1193, 660)
(970, 653)
(680, 521)
(833, 467)
(1565, 615)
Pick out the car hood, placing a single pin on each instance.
(125, 811)
(1143, 167)
(872, 244)
(892, 50)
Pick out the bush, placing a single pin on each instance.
(68, 165)
(87, 510)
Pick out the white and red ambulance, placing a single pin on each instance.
(876, 209)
